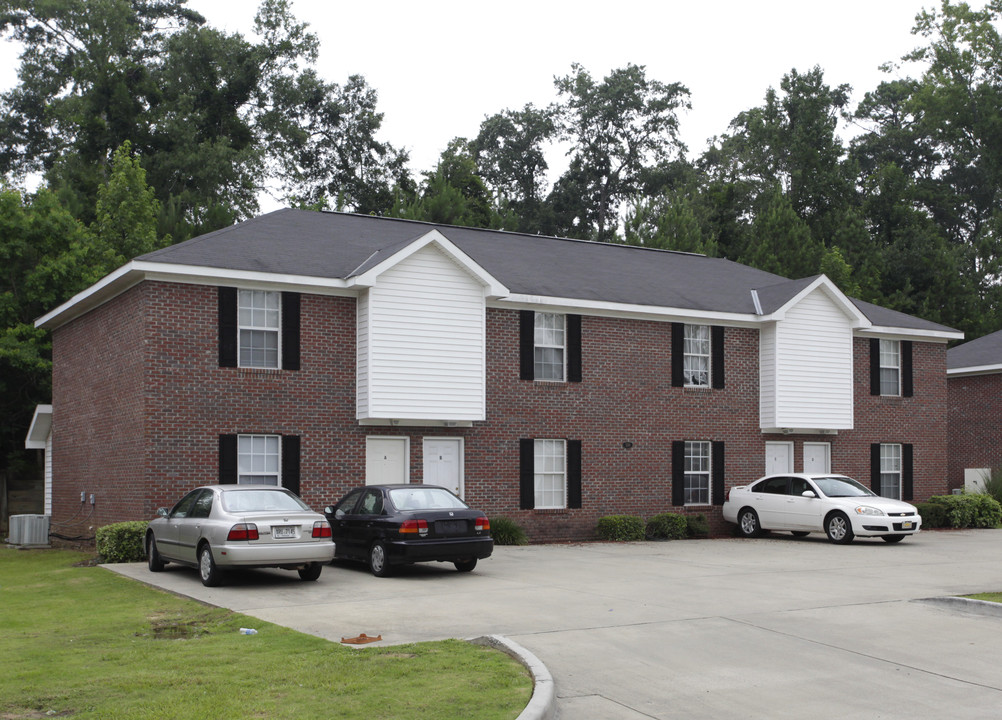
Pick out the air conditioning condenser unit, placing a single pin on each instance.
(29, 530)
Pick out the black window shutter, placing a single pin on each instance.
(717, 462)
(717, 355)
(874, 366)
(227, 327)
(875, 467)
(907, 472)
(678, 473)
(527, 344)
(290, 331)
(227, 459)
(573, 473)
(574, 348)
(527, 474)
(907, 386)
(677, 355)
(290, 463)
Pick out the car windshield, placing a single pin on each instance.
(425, 499)
(261, 500)
(836, 486)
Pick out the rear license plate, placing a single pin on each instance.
(450, 527)
(283, 531)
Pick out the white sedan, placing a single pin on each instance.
(833, 504)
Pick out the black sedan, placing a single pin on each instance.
(387, 525)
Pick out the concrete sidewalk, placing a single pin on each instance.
(766, 628)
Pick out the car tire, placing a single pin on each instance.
(748, 524)
(838, 528)
(379, 561)
(799, 533)
(153, 558)
(311, 572)
(466, 565)
(892, 538)
(207, 569)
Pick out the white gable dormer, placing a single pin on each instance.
(806, 361)
(421, 332)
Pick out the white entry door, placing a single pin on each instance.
(778, 458)
(386, 460)
(443, 463)
(817, 457)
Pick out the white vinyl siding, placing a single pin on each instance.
(807, 368)
(421, 342)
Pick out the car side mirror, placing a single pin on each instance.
(809, 493)
(162, 512)
(328, 510)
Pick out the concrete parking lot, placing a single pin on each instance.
(768, 628)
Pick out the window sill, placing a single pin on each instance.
(551, 511)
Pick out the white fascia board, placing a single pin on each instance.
(974, 370)
(134, 272)
(839, 298)
(41, 426)
(494, 287)
(876, 331)
(623, 310)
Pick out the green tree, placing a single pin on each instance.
(781, 242)
(669, 221)
(127, 209)
(618, 128)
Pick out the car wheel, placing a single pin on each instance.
(748, 523)
(379, 564)
(153, 558)
(892, 538)
(799, 533)
(466, 565)
(207, 569)
(839, 529)
(311, 571)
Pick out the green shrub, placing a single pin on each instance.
(621, 527)
(667, 526)
(506, 531)
(969, 510)
(993, 484)
(122, 542)
(697, 526)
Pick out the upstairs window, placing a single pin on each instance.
(696, 356)
(548, 342)
(890, 367)
(259, 323)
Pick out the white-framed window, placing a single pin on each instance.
(696, 356)
(259, 459)
(259, 320)
(550, 468)
(890, 470)
(697, 472)
(548, 347)
(890, 367)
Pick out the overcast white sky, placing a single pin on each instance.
(441, 66)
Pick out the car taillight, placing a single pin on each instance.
(414, 527)
(243, 531)
(321, 529)
(483, 524)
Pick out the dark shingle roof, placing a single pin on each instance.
(337, 245)
(985, 351)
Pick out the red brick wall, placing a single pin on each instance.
(975, 424)
(173, 423)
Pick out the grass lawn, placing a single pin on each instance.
(990, 597)
(79, 641)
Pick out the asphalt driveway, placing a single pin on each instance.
(767, 628)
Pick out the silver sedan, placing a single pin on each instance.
(216, 527)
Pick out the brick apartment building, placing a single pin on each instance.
(974, 379)
(550, 380)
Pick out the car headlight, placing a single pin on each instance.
(867, 510)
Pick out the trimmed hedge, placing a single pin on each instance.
(506, 531)
(667, 526)
(697, 526)
(621, 528)
(969, 510)
(122, 542)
